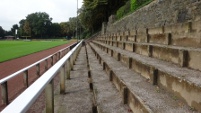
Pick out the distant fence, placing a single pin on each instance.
(23, 102)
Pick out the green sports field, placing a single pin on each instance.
(14, 49)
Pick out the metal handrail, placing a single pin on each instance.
(23, 102)
(4, 81)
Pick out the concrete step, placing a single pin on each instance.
(107, 96)
(183, 56)
(78, 97)
(181, 34)
(182, 82)
(138, 93)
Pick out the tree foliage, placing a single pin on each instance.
(15, 26)
(94, 12)
(2, 32)
(38, 23)
(54, 30)
(135, 4)
(65, 28)
(123, 10)
(27, 28)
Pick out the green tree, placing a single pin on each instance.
(27, 28)
(21, 27)
(65, 28)
(39, 22)
(2, 32)
(15, 26)
(94, 12)
(54, 30)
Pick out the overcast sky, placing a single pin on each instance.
(12, 11)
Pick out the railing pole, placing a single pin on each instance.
(38, 69)
(4, 93)
(60, 54)
(46, 64)
(49, 94)
(71, 62)
(68, 68)
(57, 56)
(52, 60)
(62, 79)
(26, 78)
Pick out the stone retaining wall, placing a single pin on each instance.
(159, 13)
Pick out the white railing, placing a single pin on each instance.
(23, 102)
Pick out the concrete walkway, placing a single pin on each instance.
(78, 98)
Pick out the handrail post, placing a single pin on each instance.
(62, 79)
(60, 54)
(71, 62)
(57, 56)
(38, 69)
(46, 64)
(68, 68)
(4, 93)
(52, 60)
(26, 78)
(49, 94)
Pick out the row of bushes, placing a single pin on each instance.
(130, 6)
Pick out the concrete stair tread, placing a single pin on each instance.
(166, 46)
(159, 45)
(107, 96)
(185, 74)
(156, 99)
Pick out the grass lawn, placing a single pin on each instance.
(14, 49)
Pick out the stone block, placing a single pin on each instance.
(129, 47)
(141, 68)
(127, 33)
(133, 32)
(125, 60)
(166, 54)
(131, 38)
(158, 38)
(194, 59)
(141, 38)
(186, 39)
(141, 49)
(119, 38)
(156, 30)
(124, 38)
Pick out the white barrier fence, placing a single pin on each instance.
(24, 101)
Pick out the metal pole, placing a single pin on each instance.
(77, 23)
